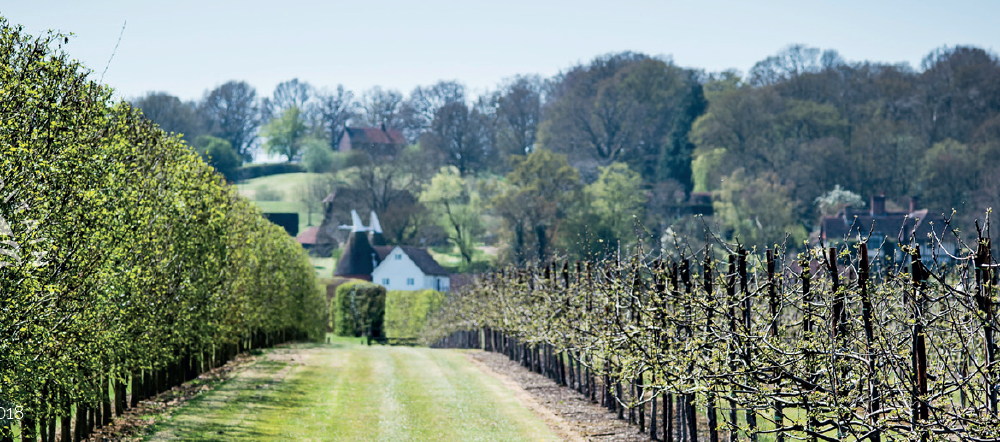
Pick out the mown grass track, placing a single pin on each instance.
(349, 392)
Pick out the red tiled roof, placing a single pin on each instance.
(308, 236)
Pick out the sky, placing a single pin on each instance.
(188, 47)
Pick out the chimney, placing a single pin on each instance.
(914, 203)
(878, 205)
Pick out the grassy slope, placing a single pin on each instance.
(290, 186)
(349, 392)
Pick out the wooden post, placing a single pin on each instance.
(774, 309)
(867, 312)
(919, 277)
(731, 300)
(713, 424)
(751, 415)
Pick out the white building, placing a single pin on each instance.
(409, 268)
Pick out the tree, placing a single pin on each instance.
(758, 211)
(219, 154)
(286, 135)
(382, 108)
(318, 158)
(625, 107)
(540, 192)
(519, 109)
(315, 190)
(618, 199)
(421, 109)
(231, 112)
(832, 202)
(458, 134)
(333, 110)
(948, 175)
(171, 114)
(287, 94)
(456, 206)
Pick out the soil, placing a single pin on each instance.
(567, 412)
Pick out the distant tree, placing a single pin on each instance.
(318, 157)
(286, 135)
(458, 134)
(287, 94)
(382, 107)
(456, 207)
(795, 60)
(231, 113)
(759, 211)
(832, 202)
(421, 108)
(617, 199)
(949, 174)
(519, 110)
(625, 107)
(171, 114)
(315, 190)
(218, 153)
(540, 192)
(333, 110)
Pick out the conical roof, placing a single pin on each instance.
(377, 238)
(359, 258)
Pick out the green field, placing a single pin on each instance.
(287, 187)
(349, 392)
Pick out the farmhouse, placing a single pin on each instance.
(395, 267)
(409, 268)
(887, 229)
(376, 141)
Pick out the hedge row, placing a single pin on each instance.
(406, 312)
(122, 255)
(258, 170)
(358, 309)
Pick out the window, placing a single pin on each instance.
(399, 257)
(385, 281)
(409, 281)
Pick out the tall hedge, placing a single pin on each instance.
(359, 308)
(406, 312)
(121, 252)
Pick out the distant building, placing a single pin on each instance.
(308, 237)
(376, 141)
(410, 268)
(885, 230)
(395, 267)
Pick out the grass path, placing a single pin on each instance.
(348, 392)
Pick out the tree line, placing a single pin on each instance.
(642, 134)
(124, 258)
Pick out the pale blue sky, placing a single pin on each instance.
(185, 47)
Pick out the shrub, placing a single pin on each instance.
(318, 157)
(267, 169)
(359, 308)
(406, 312)
(218, 153)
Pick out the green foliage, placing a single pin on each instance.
(457, 208)
(947, 176)
(758, 210)
(538, 195)
(319, 158)
(705, 170)
(218, 153)
(288, 134)
(359, 309)
(618, 199)
(252, 171)
(407, 312)
(121, 249)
